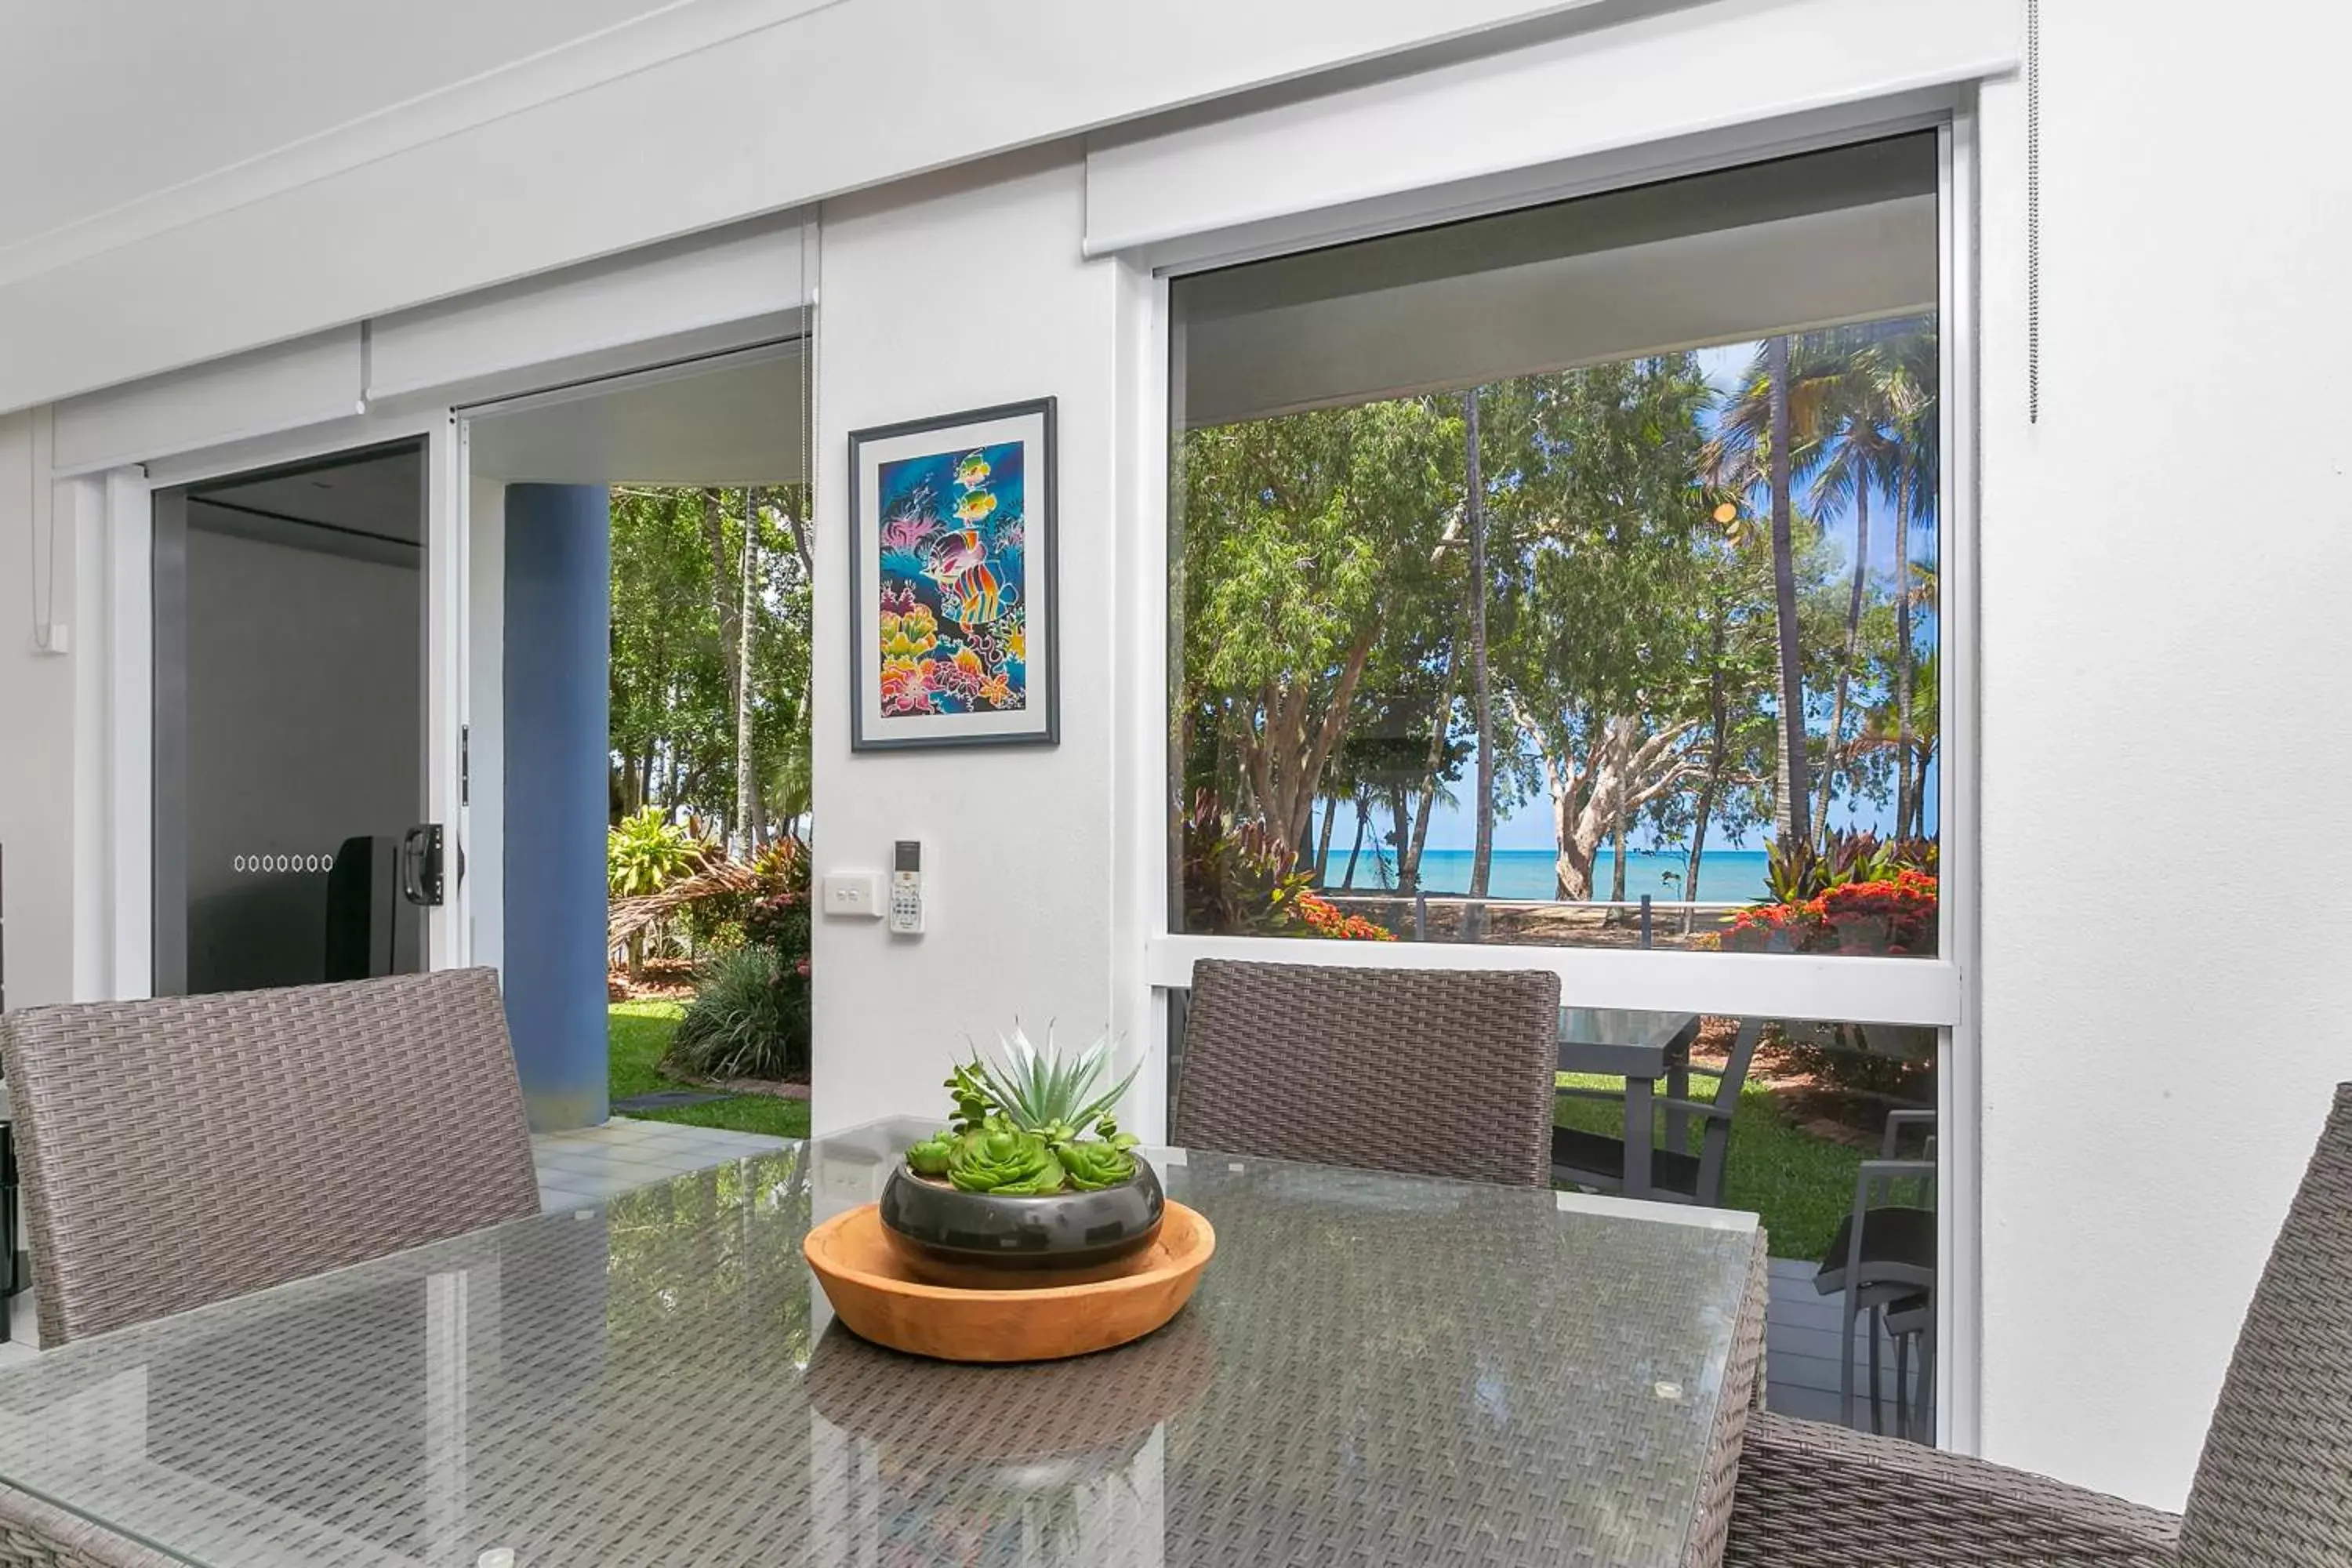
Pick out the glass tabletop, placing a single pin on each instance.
(1376, 1369)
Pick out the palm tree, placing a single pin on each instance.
(1858, 452)
(1913, 375)
(1773, 423)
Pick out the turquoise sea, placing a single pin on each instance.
(1727, 876)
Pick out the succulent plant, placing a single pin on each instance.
(1003, 1160)
(1021, 1123)
(1090, 1166)
(931, 1156)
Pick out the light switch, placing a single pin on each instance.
(854, 895)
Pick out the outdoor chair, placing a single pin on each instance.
(1881, 1258)
(2273, 1490)
(1435, 1072)
(188, 1149)
(1676, 1175)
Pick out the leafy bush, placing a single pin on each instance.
(647, 853)
(1240, 880)
(750, 1016)
(744, 1021)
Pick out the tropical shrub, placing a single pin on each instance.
(1895, 915)
(1240, 879)
(647, 853)
(1021, 1123)
(744, 1021)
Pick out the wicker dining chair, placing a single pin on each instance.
(184, 1150)
(1435, 1072)
(2273, 1490)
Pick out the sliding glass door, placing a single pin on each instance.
(289, 725)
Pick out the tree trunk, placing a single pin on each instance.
(1482, 855)
(1790, 811)
(746, 619)
(1396, 818)
(1905, 783)
(1833, 754)
(1698, 842)
(1323, 842)
(1718, 758)
(1408, 854)
(724, 603)
(1363, 820)
(1617, 861)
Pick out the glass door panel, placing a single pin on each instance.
(290, 724)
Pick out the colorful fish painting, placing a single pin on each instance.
(954, 565)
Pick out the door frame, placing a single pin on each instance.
(120, 547)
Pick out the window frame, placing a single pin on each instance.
(1934, 992)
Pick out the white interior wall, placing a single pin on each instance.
(953, 293)
(550, 159)
(38, 817)
(2163, 637)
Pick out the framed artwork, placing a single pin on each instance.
(952, 581)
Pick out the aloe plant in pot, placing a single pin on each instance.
(1032, 1171)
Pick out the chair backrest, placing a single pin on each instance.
(1714, 1138)
(1438, 1072)
(2274, 1487)
(188, 1149)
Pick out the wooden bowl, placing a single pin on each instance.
(1024, 1318)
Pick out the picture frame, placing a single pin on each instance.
(954, 597)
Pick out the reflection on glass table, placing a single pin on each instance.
(1377, 1369)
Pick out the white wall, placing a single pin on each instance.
(955, 293)
(36, 731)
(552, 159)
(2164, 635)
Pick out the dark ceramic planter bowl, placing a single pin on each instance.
(934, 1222)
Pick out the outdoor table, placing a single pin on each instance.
(1642, 1047)
(1377, 1369)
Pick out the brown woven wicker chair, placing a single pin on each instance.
(189, 1149)
(2273, 1489)
(1437, 1072)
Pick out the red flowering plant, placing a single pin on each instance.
(1240, 878)
(1858, 896)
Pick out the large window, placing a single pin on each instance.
(1570, 576)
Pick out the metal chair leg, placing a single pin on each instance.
(1845, 1361)
(1877, 1421)
(1902, 1385)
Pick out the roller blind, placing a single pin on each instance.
(1803, 242)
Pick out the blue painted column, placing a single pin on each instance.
(559, 547)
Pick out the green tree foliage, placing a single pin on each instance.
(1672, 638)
(678, 609)
(1313, 559)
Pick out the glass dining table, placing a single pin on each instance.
(1377, 1369)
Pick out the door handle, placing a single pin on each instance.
(420, 864)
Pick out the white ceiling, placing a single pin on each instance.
(128, 98)
(732, 421)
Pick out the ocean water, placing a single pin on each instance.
(1726, 875)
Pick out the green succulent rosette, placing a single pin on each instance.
(1093, 1166)
(931, 1157)
(1006, 1163)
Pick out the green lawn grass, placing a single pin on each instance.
(1801, 1185)
(640, 1032)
